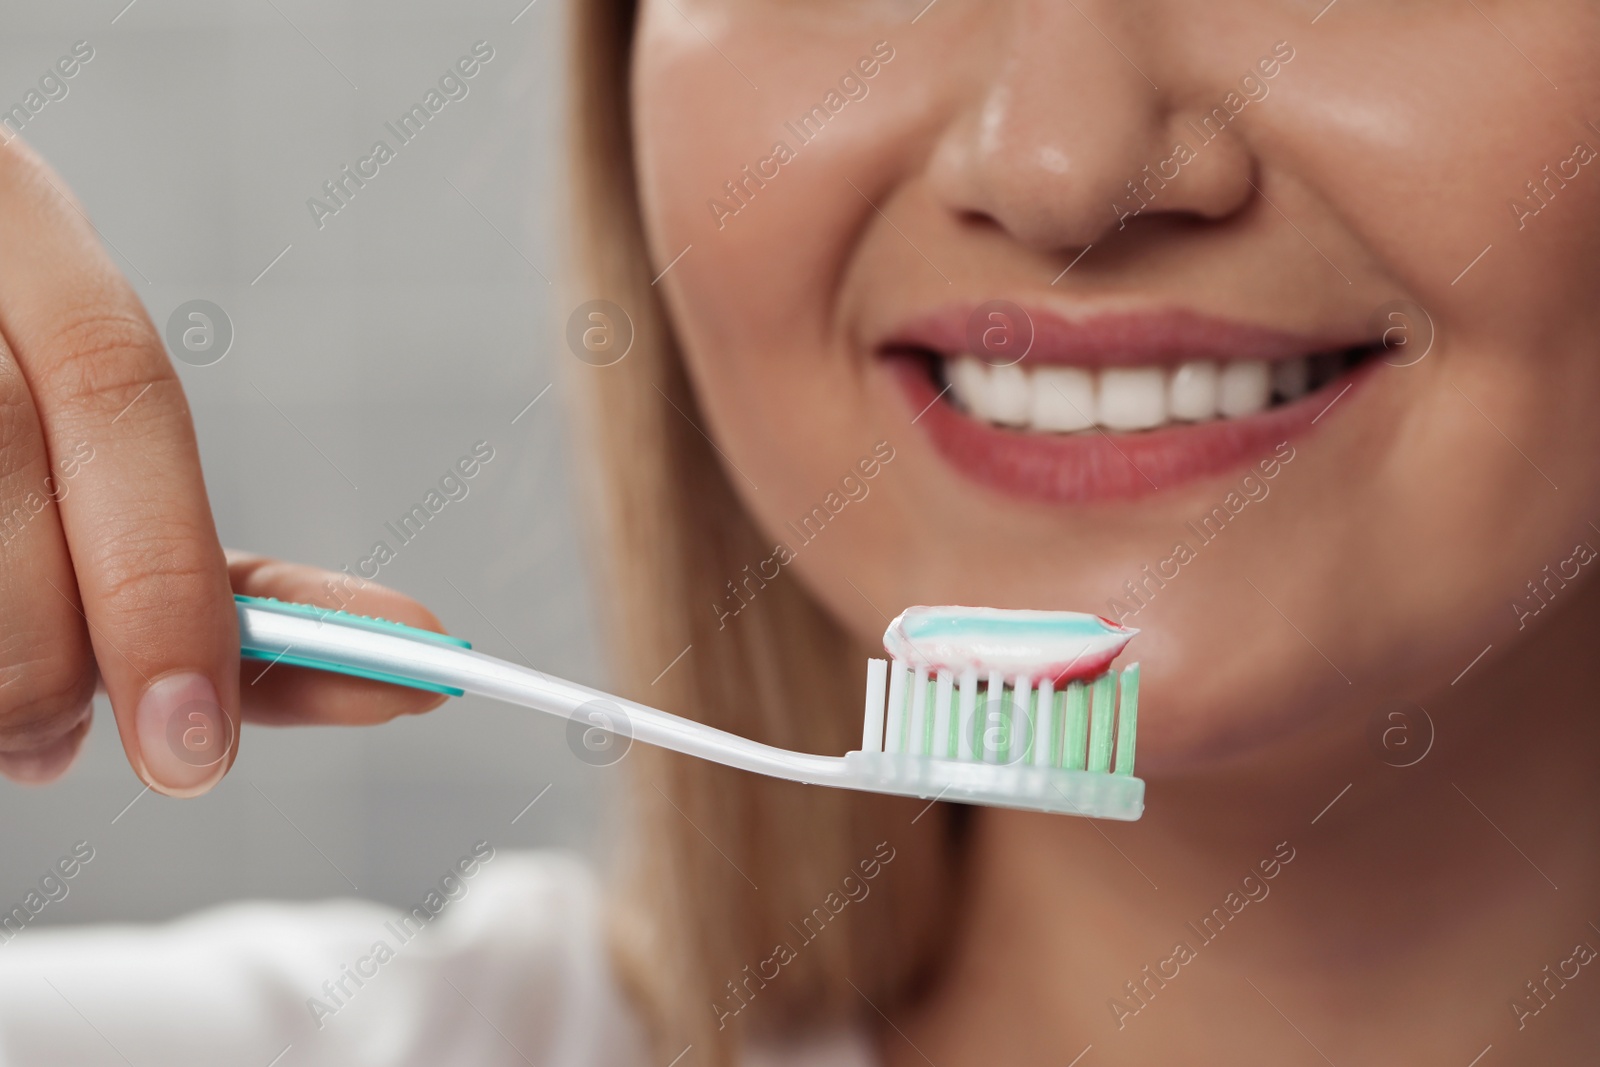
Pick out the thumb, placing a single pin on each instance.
(280, 694)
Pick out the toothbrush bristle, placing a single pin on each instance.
(1011, 708)
(1087, 725)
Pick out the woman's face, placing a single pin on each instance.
(1202, 224)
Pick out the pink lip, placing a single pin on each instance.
(1102, 466)
(1164, 336)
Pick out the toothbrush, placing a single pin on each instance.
(1015, 709)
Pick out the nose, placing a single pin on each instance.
(1079, 129)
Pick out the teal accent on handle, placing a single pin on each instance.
(346, 618)
(360, 622)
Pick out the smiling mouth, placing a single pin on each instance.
(1119, 406)
(1045, 398)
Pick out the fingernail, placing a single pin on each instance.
(184, 736)
(45, 764)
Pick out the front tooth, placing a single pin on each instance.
(1291, 378)
(1243, 388)
(1132, 398)
(969, 381)
(1063, 399)
(1009, 395)
(1193, 394)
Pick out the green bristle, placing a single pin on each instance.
(1007, 735)
(1023, 738)
(1058, 722)
(945, 747)
(977, 710)
(927, 724)
(980, 719)
(1127, 720)
(1076, 740)
(1103, 702)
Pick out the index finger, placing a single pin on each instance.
(149, 568)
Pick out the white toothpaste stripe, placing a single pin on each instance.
(1034, 644)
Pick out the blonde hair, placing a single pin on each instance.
(725, 866)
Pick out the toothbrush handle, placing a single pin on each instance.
(308, 636)
(304, 635)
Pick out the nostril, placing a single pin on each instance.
(977, 220)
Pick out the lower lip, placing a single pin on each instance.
(1100, 466)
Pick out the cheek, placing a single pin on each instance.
(763, 214)
(1429, 155)
(1446, 488)
(1423, 143)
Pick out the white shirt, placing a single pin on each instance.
(513, 971)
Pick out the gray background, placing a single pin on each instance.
(374, 352)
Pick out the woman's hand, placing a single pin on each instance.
(110, 566)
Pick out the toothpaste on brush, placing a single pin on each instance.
(1061, 646)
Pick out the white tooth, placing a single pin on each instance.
(1132, 398)
(1290, 377)
(1243, 388)
(969, 381)
(1193, 395)
(1063, 399)
(1009, 395)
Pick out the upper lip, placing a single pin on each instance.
(1122, 338)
